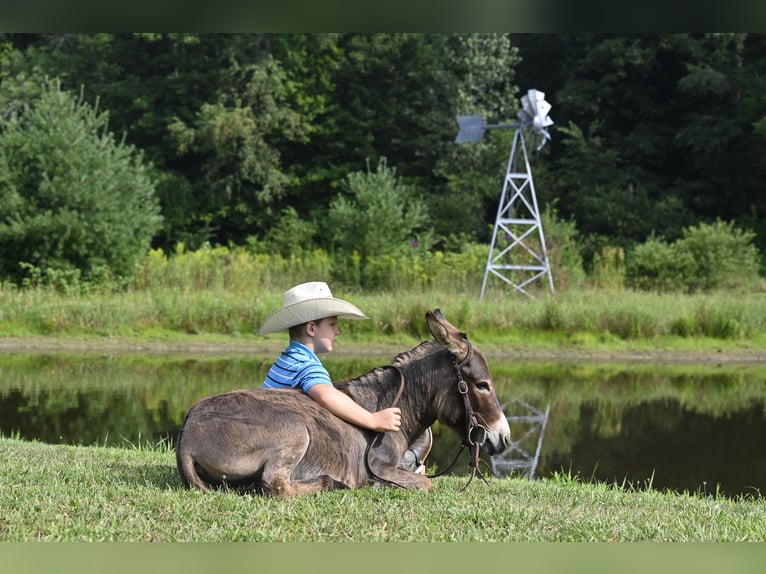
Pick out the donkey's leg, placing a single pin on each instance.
(276, 479)
(383, 462)
(281, 487)
(397, 476)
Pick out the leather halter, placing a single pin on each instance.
(473, 426)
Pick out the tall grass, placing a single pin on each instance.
(228, 292)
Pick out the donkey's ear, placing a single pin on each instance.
(444, 332)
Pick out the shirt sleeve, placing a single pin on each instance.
(312, 375)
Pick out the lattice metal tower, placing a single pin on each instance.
(517, 254)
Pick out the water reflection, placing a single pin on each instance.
(666, 445)
(680, 427)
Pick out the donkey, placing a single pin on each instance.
(283, 443)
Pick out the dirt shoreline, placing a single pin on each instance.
(383, 350)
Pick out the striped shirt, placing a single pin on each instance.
(297, 367)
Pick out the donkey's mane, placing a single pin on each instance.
(423, 349)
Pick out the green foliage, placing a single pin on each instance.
(236, 270)
(641, 148)
(289, 235)
(378, 216)
(708, 257)
(240, 127)
(251, 270)
(724, 255)
(240, 171)
(473, 173)
(563, 255)
(75, 203)
(656, 265)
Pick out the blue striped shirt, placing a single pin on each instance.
(297, 367)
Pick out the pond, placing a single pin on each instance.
(696, 428)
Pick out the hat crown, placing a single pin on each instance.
(306, 292)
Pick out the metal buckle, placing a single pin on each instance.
(484, 432)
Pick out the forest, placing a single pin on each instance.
(114, 144)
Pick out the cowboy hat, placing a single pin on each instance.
(308, 302)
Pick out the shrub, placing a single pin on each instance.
(377, 216)
(707, 257)
(290, 235)
(657, 266)
(724, 256)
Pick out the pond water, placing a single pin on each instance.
(665, 426)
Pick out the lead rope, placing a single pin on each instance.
(380, 434)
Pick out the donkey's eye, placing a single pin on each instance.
(482, 386)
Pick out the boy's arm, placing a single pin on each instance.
(343, 406)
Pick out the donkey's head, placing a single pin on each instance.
(484, 419)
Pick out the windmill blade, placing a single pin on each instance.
(471, 128)
(542, 108)
(534, 110)
(534, 114)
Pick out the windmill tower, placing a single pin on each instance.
(517, 254)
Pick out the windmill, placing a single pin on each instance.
(517, 254)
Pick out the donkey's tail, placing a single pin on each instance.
(185, 462)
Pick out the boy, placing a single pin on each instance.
(310, 313)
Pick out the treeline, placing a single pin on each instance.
(111, 144)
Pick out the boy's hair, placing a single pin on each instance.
(298, 331)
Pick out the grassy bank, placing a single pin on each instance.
(89, 493)
(594, 320)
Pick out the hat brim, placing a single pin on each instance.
(308, 310)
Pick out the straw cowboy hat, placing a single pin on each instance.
(308, 302)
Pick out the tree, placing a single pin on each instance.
(208, 110)
(73, 201)
(484, 77)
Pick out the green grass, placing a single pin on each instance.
(69, 493)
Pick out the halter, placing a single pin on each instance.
(475, 432)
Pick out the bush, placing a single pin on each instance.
(724, 256)
(657, 266)
(707, 257)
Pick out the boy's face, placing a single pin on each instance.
(323, 333)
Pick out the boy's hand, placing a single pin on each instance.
(388, 420)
